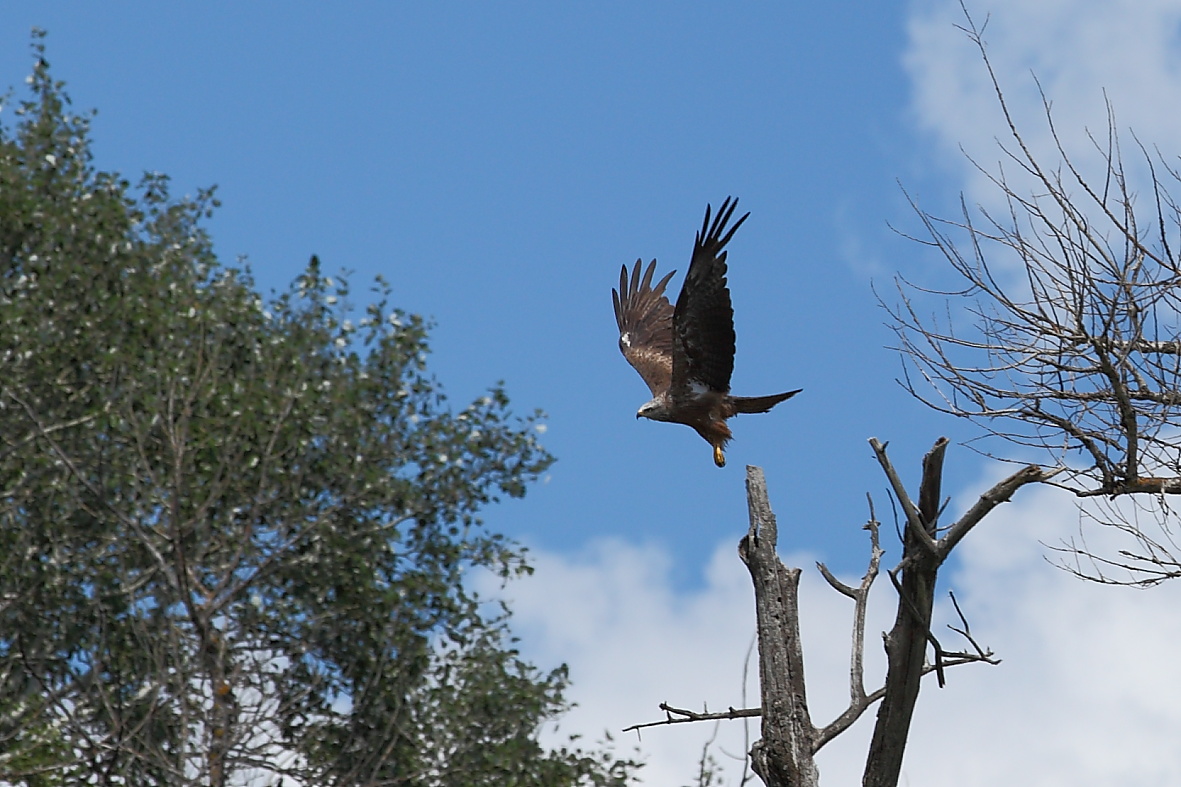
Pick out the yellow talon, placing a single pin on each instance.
(719, 457)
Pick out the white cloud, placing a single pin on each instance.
(632, 642)
(1085, 695)
(1077, 49)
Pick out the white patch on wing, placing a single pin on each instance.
(626, 338)
(698, 388)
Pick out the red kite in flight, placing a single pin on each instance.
(686, 354)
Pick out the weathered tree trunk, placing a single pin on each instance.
(783, 757)
(906, 644)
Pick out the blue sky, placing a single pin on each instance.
(498, 163)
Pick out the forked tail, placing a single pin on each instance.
(760, 404)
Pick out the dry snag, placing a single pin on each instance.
(1062, 330)
(785, 755)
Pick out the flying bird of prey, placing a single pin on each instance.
(686, 354)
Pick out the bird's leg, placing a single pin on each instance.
(719, 457)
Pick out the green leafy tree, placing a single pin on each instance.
(233, 532)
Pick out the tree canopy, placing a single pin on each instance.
(234, 530)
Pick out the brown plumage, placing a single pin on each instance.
(686, 354)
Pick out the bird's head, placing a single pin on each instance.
(655, 409)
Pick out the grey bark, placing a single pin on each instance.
(783, 757)
(906, 644)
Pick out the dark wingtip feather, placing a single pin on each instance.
(712, 233)
(704, 233)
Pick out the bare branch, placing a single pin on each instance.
(859, 702)
(683, 716)
(914, 520)
(1061, 328)
(1001, 492)
(1081, 352)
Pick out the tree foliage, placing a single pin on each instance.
(233, 532)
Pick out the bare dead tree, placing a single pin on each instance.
(1061, 339)
(1063, 332)
(785, 755)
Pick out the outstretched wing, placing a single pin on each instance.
(645, 319)
(703, 322)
